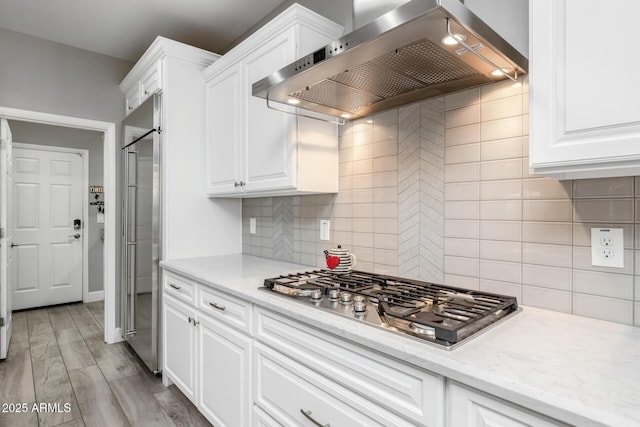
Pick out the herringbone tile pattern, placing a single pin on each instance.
(421, 190)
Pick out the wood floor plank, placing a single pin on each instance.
(74, 351)
(37, 316)
(97, 310)
(97, 403)
(42, 341)
(138, 403)
(53, 386)
(16, 377)
(19, 329)
(85, 322)
(61, 318)
(22, 419)
(73, 423)
(182, 412)
(115, 360)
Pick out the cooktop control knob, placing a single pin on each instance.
(334, 294)
(316, 294)
(359, 304)
(346, 298)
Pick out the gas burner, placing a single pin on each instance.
(438, 314)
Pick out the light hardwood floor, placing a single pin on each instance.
(57, 356)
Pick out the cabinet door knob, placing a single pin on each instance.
(235, 184)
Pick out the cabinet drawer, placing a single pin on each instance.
(262, 419)
(400, 388)
(231, 310)
(471, 408)
(151, 82)
(179, 287)
(286, 390)
(132, 98)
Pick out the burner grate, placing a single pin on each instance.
(439, 313)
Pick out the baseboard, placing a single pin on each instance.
(94, 296)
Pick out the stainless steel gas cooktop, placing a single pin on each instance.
(441, 315)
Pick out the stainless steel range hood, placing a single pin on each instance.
(398, 58)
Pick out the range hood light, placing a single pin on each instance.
(500, 72)
(293, 101)
(345, 116)
(450, 41)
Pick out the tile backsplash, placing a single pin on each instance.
(440, 190)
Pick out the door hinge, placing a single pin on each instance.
(1, 233)
(1, 322)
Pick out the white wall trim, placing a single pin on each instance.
(94, 296)
(84, 154)
(111, 333)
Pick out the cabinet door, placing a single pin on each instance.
(224, 127)
(585, 112)
(270, 157)
(470, 408)
(224, 362)
(180, 345)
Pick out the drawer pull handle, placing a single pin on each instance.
(216, 306)
(307, 414)
(177, 288)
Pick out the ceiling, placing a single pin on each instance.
(125, 28)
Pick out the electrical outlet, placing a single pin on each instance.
(252, 225)
(607, 247)
(325, 226)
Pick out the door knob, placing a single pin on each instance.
(75, 236)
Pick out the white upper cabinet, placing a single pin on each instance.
(174, 71)
(255, 151)
(584, 98)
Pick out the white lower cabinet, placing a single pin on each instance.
(244, 365)
(207, 351)
(467, 407)
(224, 365)
(179, 337)
(339, 382)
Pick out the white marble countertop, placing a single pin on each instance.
(582, 371)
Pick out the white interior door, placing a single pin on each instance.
(47, 198)
(5, 237)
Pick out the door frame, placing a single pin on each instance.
(111, 333)
(84, 154)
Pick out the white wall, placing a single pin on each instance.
(34, 133)
(39, 75)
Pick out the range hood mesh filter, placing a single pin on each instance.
(404, 70)
(377, 79)
(427, 62)
(336, 95)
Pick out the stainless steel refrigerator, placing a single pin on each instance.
(140, 292)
